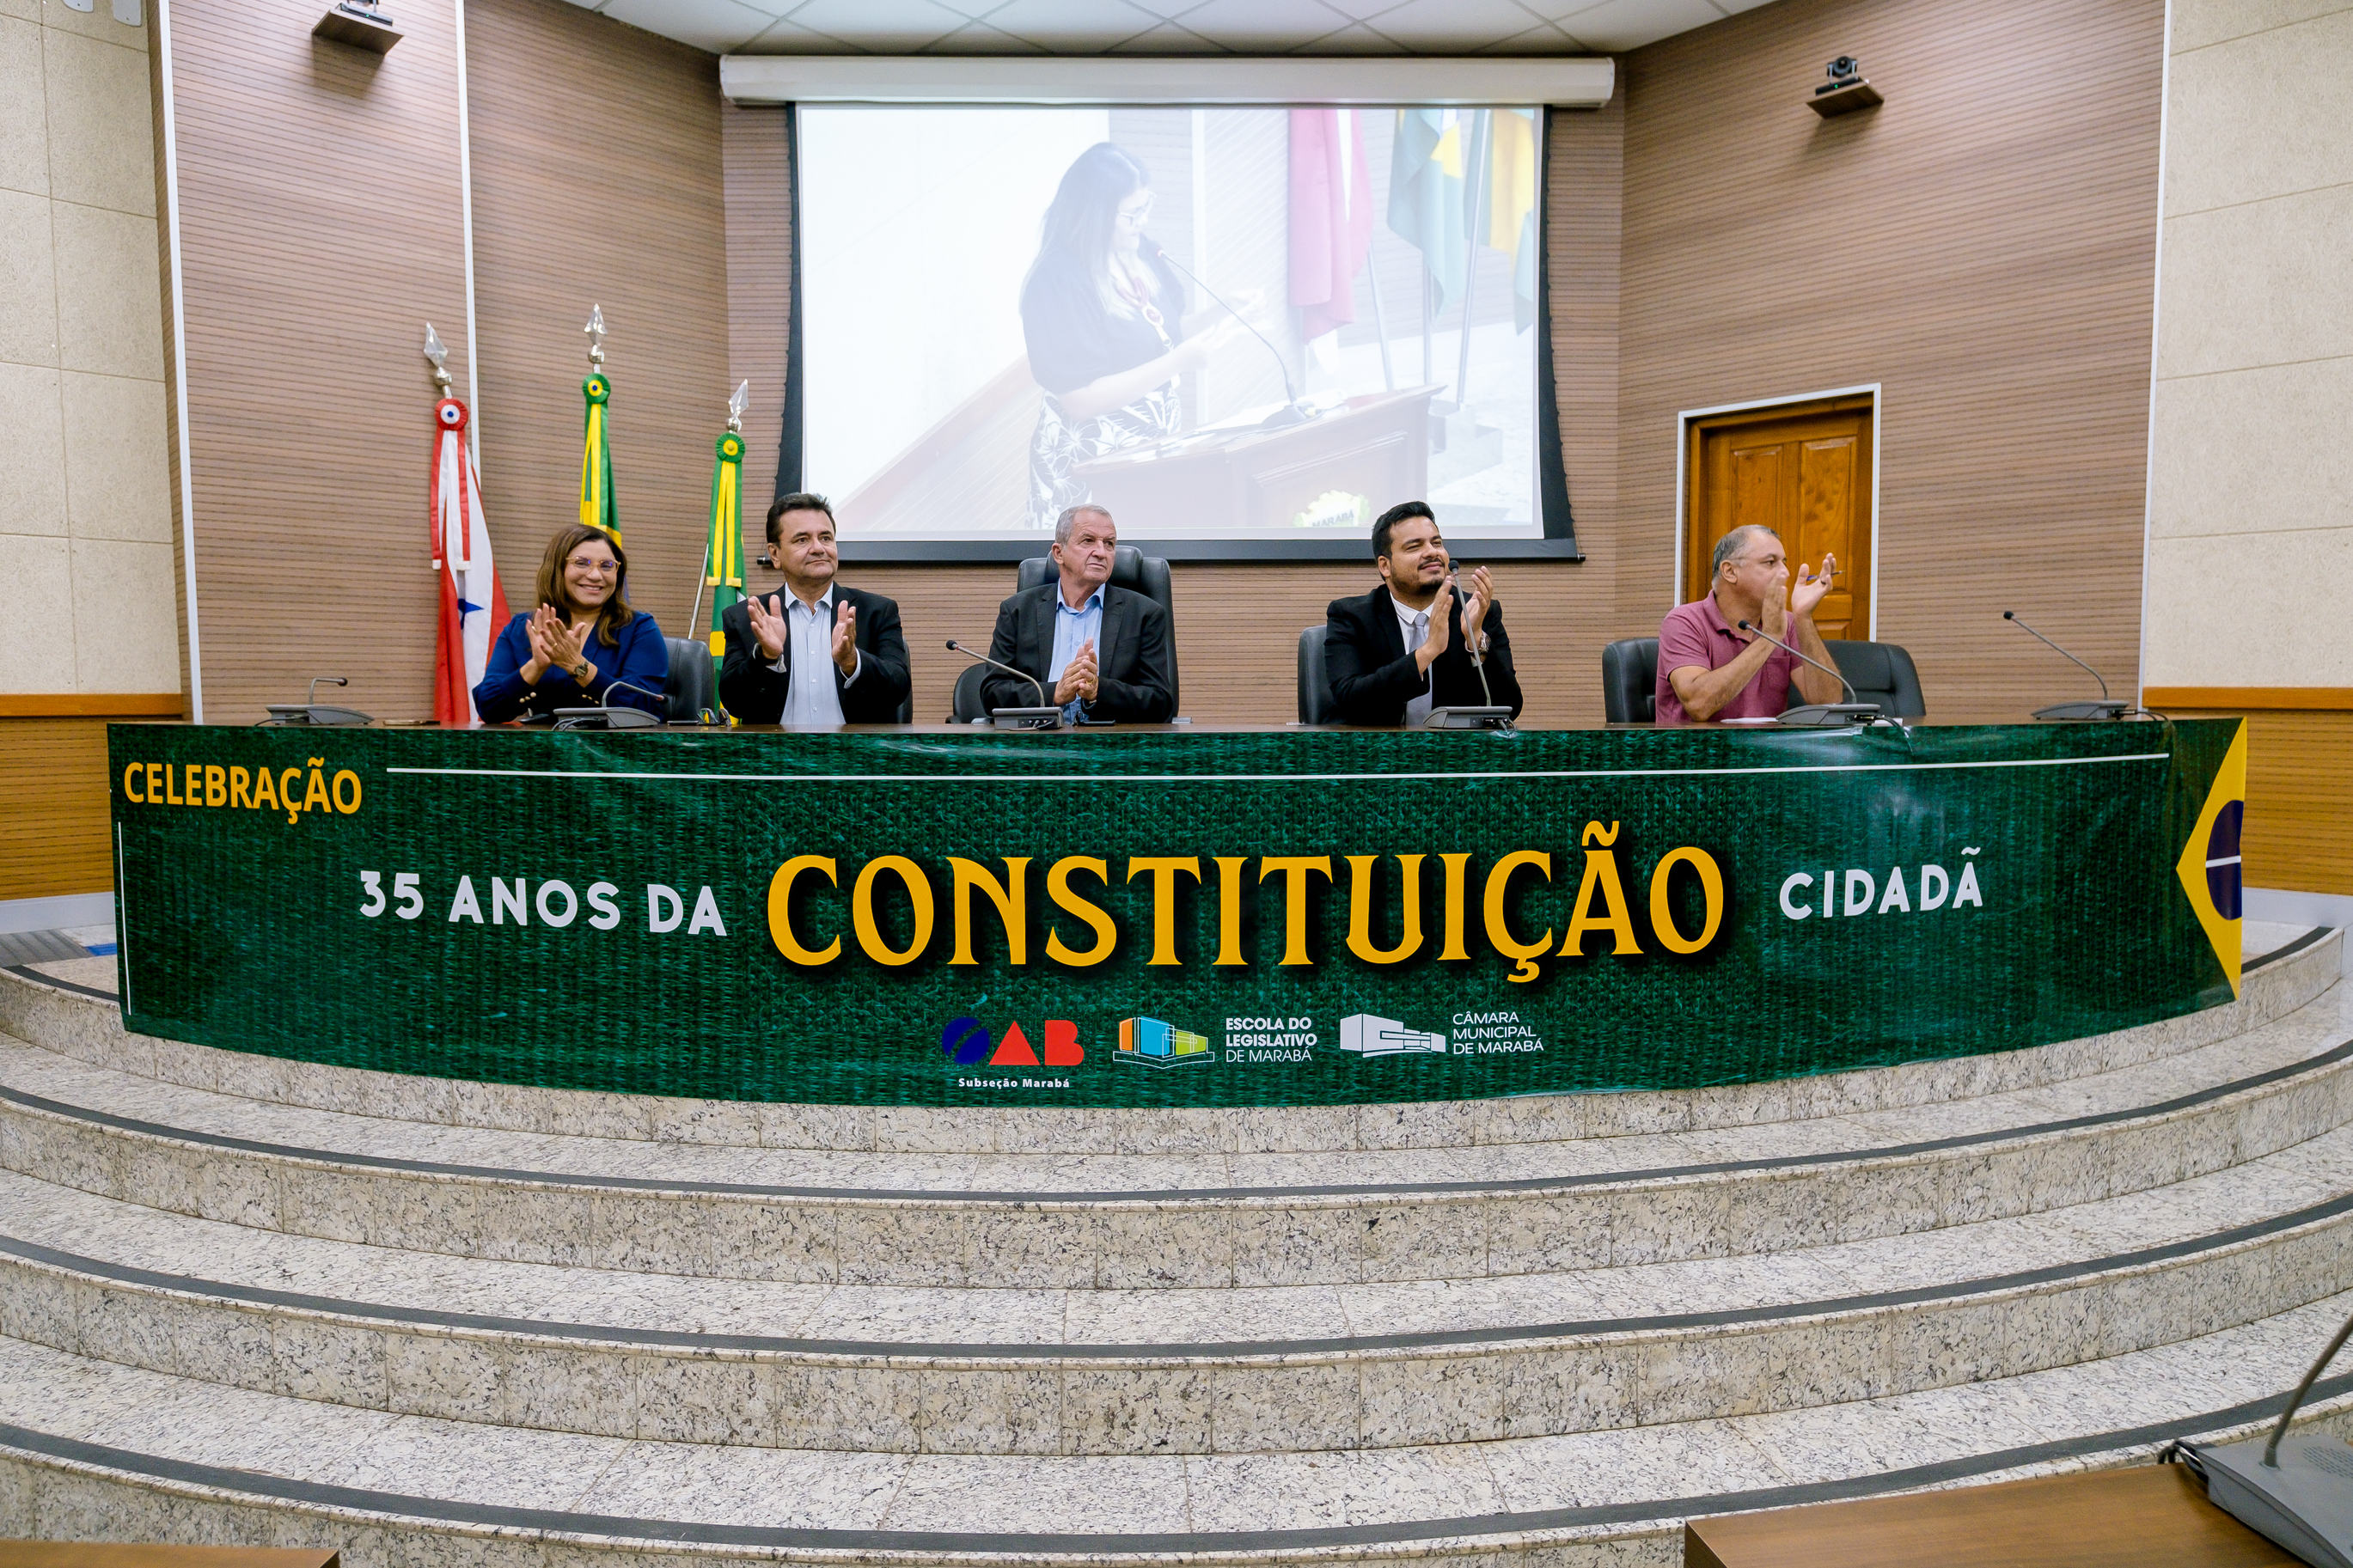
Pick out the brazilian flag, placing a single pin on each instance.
(596, 507)
(724, 551)
(1426, 192)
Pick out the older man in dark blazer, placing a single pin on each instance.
(1099, 652)
(1394, 653)
(820, 652)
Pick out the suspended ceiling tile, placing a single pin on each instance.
(718, 25)
(1356, 40)
(1260, 25)
(1167, 39)
(884, 26)
(788, 38)
(1453, 27)
(1544, 38)
(1072, 24)
(1618, 25)
(979, 38)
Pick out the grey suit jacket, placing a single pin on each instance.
(1136, 659)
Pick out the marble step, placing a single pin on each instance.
(80, 1020)
(1111, 1372)
(1178, 1221)
(95, 1450)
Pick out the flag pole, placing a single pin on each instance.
(1483, 149)
(736, 403)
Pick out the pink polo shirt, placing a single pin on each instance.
(1697, 634)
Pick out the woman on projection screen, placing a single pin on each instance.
(1103, 314)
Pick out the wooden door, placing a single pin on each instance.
(1804, 472)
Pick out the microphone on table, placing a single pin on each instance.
(1289, 413)
(311, 710)
(1491, 716)
(1045, 716)
(1820, 715)
(2306, 1504)
(2105, 708)
(605, 716)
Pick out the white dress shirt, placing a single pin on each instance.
(1415, 624)
(808, 660)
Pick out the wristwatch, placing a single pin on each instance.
(580, 672)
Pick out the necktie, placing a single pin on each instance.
(1418, 711)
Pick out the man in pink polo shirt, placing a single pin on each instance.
(1710, 670)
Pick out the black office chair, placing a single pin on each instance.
(906, 714)
(1881, 672)
(1130, 569)
(1315, 703)
(967, 705)
(1629, 681)
(692, 685)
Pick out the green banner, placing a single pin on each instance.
(1153, 919)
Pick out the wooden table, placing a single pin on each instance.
(2152, 1516)
(116, 1555)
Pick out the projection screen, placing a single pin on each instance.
(1254, 324)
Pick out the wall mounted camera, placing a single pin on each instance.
(1845, 91)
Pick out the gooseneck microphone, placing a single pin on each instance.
(1045, 716)
(1820, 715)
(1289, 413)
(311, 710)
(605, 716)
(2105, 708)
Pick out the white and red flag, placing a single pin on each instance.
(473, 607)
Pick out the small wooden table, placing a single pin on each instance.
(117, 1555)
(2151, 1516)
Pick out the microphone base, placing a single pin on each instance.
(2072, 713)
(1467, 719)
(2304, 1504)
(315, 714)
(1829, 715)
(606, 719)
(1290, 413)
(1032, 719)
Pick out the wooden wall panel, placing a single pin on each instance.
(597, 181)
(53, 808)
(759, 222)
(1237, 626)
(319, 230)
(2299, 831)
(1983, 245)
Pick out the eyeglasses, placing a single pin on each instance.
(1135, 217)
(588, 568)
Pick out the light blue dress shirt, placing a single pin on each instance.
(1072, 629)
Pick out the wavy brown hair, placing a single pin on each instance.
(616, 611)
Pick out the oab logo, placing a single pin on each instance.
(966, 1042)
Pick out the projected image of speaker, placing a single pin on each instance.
(1220, 324)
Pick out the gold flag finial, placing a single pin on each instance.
(595, 331)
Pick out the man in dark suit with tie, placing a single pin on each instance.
(1099, 652)
(819, 652)
(1406, 648)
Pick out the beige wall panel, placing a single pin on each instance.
(2196, 23)
(115, 461)
(2255, 609)
(24, 134)
(1981, 245)
(96, 90)
(107, 288)
(28, 284)
(37, 581)
(597, 181)
(2259, 284)
(115, 650)
(32, 451)
(320, 232)
(96, 23)
(2253, 451)
(2297, 136)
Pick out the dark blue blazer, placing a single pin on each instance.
(641, 657)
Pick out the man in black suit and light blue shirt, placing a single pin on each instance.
(1100, 652)
(820, 653)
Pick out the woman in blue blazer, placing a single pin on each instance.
(583, 646)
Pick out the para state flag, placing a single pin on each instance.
(473, 608)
